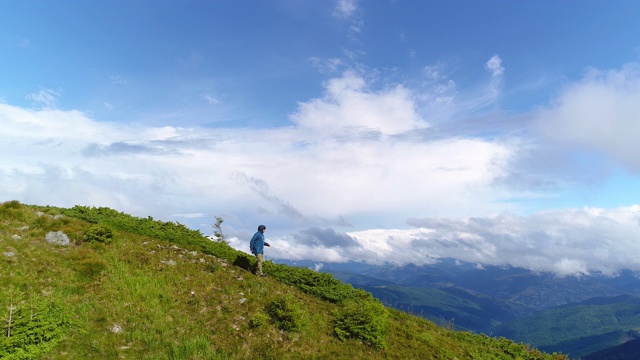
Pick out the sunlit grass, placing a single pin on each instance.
(139, 297)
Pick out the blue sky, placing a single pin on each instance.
(490, 131)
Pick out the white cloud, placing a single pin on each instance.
(348, 10)
(346, 156)
(599, 113)
(494, 65)
(345, 8)
(349, 106)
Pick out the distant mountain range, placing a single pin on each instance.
(576, 315)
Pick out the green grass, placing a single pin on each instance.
(158, 290)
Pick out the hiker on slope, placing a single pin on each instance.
(257, 248)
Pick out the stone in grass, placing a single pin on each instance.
(57, 238)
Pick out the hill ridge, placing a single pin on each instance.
(138, 288)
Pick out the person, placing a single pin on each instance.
(257, 245)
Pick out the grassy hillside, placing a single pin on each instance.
(579, 329)
(126, 287)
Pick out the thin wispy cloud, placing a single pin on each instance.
(345, 8)
(44, 98)
(210, 99)
(494, 65)
(118, 80)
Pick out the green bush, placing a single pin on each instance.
(11, 209)
(319, 284)
(13, 204)
(99, 233)
(258, 320)
(37, 325)
(366, 321)
(286, 313)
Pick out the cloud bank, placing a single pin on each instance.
(351, 165)
(565, 242)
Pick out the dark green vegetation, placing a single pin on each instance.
(630, 350)
(580, 329)
(138, 288)
(458, 307)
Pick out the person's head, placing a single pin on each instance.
(262, 228)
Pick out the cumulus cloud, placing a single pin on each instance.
(346, 156)
(349, 106)
(598, 113)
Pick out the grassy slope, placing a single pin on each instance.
(144, 298)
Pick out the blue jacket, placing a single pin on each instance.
(257, 243)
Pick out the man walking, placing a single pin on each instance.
(257, 248)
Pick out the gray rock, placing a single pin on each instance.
(116, 329)
(16, 237)
(58, 238)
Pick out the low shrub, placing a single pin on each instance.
(286, 313)
(258, 320)
(366, 321)
(99, 233)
